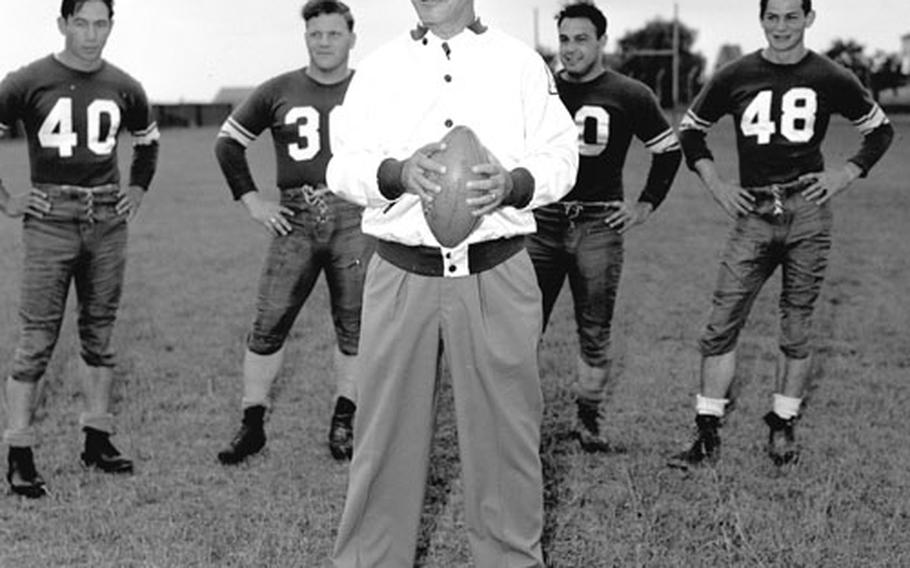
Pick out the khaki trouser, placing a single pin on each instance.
(489, 326)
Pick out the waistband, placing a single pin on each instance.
(576, 209)
(770, 197)
(780, 189)
(428, 261)
(320, 197)
(76, 191)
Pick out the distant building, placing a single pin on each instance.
(232, 95)
(727, 53)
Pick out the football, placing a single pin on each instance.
(449, 217)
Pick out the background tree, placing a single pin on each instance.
(728, 53)
(657, 71)
(885, 73)
(849, 53)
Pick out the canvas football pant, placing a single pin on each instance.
(799, 241)
(82, 240)
(574, 242)
(488, 325)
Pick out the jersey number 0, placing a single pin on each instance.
(57, 129)
(593, 124)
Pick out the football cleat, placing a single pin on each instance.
(22, 476)
(341, 430)
(100, 453)
(705, 450)
(248, 440)
(588, 431)
(782, 447)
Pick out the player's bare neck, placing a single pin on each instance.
(785, 57)
(78, 64)
(593, 73)
(328, 76)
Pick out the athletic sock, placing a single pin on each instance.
(786, 407)
(710, 406)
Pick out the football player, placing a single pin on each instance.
(581, 236)
(781, 99)
(73, 105)
(312, 230)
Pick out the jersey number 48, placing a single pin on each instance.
(797, 116)
(57, 129)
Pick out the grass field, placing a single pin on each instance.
(194, 262)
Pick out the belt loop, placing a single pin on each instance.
(573, 210)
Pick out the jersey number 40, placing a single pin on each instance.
(57, 129)
(797, 116)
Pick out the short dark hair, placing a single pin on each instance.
(584, 10)
(763, 7)
(315, 8)
(70, 7)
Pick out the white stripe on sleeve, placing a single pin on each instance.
(666, 141)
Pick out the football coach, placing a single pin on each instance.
(476, 304)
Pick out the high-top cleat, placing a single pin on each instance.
(248, 440)
(22, 476)
(705, 450)
(782, 447)
(100, 453)
(588, 431)
(341, 430)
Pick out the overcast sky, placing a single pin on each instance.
(187, 49)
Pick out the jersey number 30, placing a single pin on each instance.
(307, 120)
(57, 129)
(797, 116)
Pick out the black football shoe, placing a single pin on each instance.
(782, 447)
(248, 440)
(341, 429)
(101, 454)
(705, 450)
(588, 431)
(22, 476)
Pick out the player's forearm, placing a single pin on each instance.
(144, 164)
(873, 147)
(694, 146)
(707, 173)
(660, 177)
(231, 156)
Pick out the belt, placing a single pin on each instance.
(770, 197)
(575, 209)
(428, 261)
(108, 193)
(318, 199)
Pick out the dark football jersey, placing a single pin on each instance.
(298, 110)
(72, 119)
(781, 114)
(609, 110)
